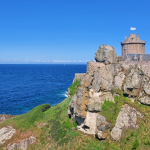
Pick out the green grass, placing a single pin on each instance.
(29, 119)
(74, 87)
(111, 110)
(60, 132)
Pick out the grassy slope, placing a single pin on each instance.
(61, 133)
(58, 133)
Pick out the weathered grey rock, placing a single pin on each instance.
(133, 82)
(6, 133)
(87, 80)
(145, 100)
(22, 144)
(103, 78)
(116, 133)
(106, 54)
(101, 123)
(73, 100)
(94, 104)
(127, 118)
(118, 81)
(146, 88)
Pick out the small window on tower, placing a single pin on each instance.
(132, 39)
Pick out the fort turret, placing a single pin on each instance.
(131, 45)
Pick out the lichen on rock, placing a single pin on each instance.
(103, 84)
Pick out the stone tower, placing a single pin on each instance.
(132, 44)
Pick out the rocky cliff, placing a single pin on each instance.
(102, 85)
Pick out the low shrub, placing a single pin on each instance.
(128, 138)
(132, 134)
(146, 142)
(135, 144)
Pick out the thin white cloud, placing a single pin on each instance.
(67, 61)
(82, 61)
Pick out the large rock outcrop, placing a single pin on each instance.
(106, 54)
(100, 85)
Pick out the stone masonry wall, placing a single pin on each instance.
(93, 66)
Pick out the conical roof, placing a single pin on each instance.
(133, 39)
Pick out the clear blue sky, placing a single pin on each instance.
(47, 31)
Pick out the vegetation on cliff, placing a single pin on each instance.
(131, 139)
(54, 130)
(74, 87)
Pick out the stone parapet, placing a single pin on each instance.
(93, 66)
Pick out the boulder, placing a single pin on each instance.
(116, 133)
(22, 144)
(145, 100)
(106, 54)
(6, 133)
(127, 118)
(101, 123)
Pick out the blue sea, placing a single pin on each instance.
(24, 86)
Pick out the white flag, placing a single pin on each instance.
(132, 28)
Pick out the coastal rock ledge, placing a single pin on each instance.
(104, 83)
